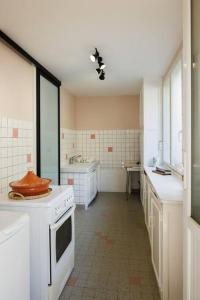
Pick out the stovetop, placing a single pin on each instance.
(58, 195)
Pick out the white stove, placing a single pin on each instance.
(52, 239)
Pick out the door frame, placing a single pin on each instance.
(39, 73)
(40, 69)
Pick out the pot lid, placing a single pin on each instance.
(30, 180)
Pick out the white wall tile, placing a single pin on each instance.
(13, 151)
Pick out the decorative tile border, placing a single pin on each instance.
(16, 150)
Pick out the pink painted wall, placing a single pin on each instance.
(107, 112)
(67, 109)
(17, 88)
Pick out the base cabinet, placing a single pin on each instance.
(92, 184)
(164, 224)
(156, 238)
(144, 194)
(84, 186)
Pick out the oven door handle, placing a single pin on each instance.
(55, 226)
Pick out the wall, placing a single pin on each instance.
(67, 109)
(17, 91)
(107, 129)
(110, 148)
(17, 126)
(107, 112)
(16, 85)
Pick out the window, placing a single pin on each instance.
(166, 121)
(172, 118)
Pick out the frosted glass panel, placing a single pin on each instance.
(196, 110)
(49, 130)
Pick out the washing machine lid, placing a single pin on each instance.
(10, 223)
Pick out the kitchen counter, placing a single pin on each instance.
(79, 167)
(167, 187)
(83, 177)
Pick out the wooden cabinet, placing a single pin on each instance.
(156, 237)
(144, 195)
(148, 219)
(163, 219)
(142, 187)
(92, 178)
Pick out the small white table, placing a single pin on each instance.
(129, 170)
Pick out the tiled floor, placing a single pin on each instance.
(112, 260)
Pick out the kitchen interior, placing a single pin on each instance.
(93, 167)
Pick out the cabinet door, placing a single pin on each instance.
(141, 187)
(144, 194)
(93, 185)
(156, 238)
(149, 212)
(148, 206)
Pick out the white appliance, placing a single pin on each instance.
(52, 239)
(14, 256)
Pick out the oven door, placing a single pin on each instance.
(61, 251)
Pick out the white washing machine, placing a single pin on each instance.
(14, 256)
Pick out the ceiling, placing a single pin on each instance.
(137, 38)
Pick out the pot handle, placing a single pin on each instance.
(14, 196)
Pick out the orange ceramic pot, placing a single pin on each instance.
(30, 185)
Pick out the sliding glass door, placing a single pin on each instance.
(196, 110)
(48, 128)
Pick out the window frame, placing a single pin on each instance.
(168, 76)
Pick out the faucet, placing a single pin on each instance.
(73, 159)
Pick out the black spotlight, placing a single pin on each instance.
(102, 75)
(100, 59)
(102, 66)
(94, 56)
(98, 70)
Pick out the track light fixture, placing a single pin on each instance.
(96, 57)
(98, 70)
(102, 75)
(102, 66)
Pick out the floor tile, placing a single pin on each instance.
(112, 252)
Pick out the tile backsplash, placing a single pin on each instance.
(110, 147)
(16, 150)
(67, 144)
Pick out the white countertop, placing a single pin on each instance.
(79, 167)
(46, 201)
(168, 188)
